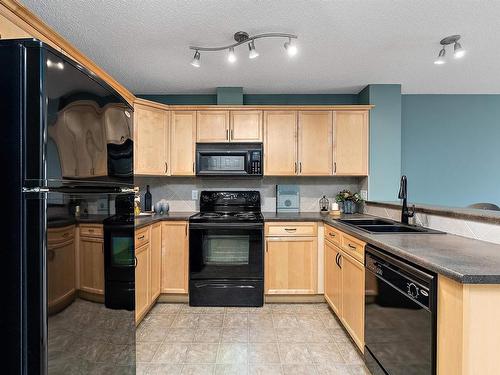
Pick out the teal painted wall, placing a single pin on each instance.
(258, 99)
(385, 140)
(451, 148)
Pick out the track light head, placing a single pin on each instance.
(290, 48)
(252, 54)
(231, 56)
(441, 57)
(196, 60)
(458, 51)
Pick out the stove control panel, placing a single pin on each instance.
(255, 162)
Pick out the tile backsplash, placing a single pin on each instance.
(467, 228)
(177, 190)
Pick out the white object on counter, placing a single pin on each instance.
(335, 206)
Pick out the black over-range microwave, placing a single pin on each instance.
(229, 159)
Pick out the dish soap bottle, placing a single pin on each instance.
(147, 200)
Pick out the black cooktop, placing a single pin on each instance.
(241, 216)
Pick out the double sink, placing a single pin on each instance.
(383, 226)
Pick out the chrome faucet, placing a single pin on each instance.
(403, 194)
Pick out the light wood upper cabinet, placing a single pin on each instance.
(333, 278)
(351, 143)
(353, 298)
(291, 265)
(280, 143)
(212, 126)
(155, 269)
(246, 126)
(151, 141)
(182, 142)
(174, 257)
(142, 281)
(92, 264)
(315, 143)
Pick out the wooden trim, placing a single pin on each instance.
(26, 20)
(149, 103)
(354, 107)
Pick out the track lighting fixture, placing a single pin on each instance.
(458, 51)
(253, 53)
(242, 37)
(196, 60)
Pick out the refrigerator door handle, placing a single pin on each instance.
(35, 190)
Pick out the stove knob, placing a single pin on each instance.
(412, 290)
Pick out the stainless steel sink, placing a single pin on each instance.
(380, 226)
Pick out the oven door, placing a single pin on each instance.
(226, 251)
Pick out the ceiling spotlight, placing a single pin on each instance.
(49, 63)
(290, 48)
(458, 51)
(253, 53)
(440, 60)
(60, 65)
(231, 56)
(196, 60)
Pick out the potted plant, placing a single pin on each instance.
(348, 201)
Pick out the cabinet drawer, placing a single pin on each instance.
(353, 247)
(291, 229)
(57, 235)
(88, 230)
(141, 236)
(333, 235)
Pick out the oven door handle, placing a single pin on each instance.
(224, 286)
(226, 225)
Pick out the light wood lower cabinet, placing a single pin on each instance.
(333, 278)
(291, 260)
(155, 276)
(91, 251)
(142, 281)
(345, 282)
(174, 257)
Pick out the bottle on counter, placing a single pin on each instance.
(147, 200)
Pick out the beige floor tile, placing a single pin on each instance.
(263, 353)
(210, 320)
(201, 353)
(307, 308)
(339, 335)
(350, 354)
(148, 333)
(146, 350)
(239, 334)
(180, 334)
(329, 320)
(163, 320)
(358, 370)
(186, 321)
(294, 353)
(231, 369)
(291, 335)
(289, 308)
(264, 369)
(332, 369)
(325, 353)
(299, 370)
(158, 369)
(232, 353)
(198, 369)
(285, 321)
(236, 320)
(260, 320)
(208, 335)
(167, 308)
(171, 353)
(262, 334)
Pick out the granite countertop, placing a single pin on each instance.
(463, 259)
(143, 221)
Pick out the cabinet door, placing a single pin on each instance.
(141, 281)
(333, 278)
(280, 143)
(212, 126)
(151, 140)
(291, 265)
(182, 142)
(155, 271)
(61, 272)
(92, 265)
(353, 298)
(246, 126)
(351, 143)
(174, 257)
(315, 143)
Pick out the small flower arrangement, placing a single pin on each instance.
(346, 195)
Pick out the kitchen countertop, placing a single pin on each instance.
(62, 221)
(463, 259)
(143, 221)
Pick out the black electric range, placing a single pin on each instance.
(226, 248)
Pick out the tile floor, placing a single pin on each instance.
(276, 339)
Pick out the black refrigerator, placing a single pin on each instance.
(68, 229)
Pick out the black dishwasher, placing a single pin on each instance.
(400, 316)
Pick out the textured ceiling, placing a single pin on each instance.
(343, 45)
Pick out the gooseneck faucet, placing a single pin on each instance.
(403, 194)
